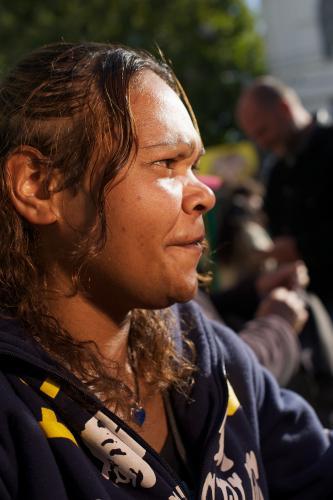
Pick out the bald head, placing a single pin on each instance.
(271, 114)
(269, 91)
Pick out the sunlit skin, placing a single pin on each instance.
(154, 211)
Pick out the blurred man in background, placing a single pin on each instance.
(298, 200)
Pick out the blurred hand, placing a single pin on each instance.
(293, 276)
(285, 249)
(287, 304)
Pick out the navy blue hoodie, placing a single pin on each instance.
(244, 438)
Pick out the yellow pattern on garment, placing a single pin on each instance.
(50, 388)
(53, 428)
(233, 403)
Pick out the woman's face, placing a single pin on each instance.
(154, 208)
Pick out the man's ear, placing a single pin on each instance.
(29, 189)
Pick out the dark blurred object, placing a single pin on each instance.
(306, 363)
(241, 241)
(314, 381)
(314, 377)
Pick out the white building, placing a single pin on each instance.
(299, 36)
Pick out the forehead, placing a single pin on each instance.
(158, 112)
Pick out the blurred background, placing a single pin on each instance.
(213, 44)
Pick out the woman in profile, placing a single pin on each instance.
(112, 385)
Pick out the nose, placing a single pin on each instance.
(197, 197)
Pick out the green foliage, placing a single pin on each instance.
(212, 44)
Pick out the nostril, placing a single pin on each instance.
(200, 207)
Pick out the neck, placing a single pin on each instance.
(86, 321)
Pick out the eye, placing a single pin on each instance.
(167, 163)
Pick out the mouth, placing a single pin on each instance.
(199, 244)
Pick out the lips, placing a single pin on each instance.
(195, 245)
(188, 241)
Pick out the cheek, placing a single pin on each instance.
(78, 215)
(163, 204)
(156, 206)
(170, 188)
(141, 217)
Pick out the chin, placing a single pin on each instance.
(185, 293)
(177, 290)
(169, 300)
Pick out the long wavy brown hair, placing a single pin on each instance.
(71, 102)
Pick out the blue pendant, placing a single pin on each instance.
(138, 415)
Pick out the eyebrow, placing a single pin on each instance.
(170, 144)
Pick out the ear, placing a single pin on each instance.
(29, 189)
